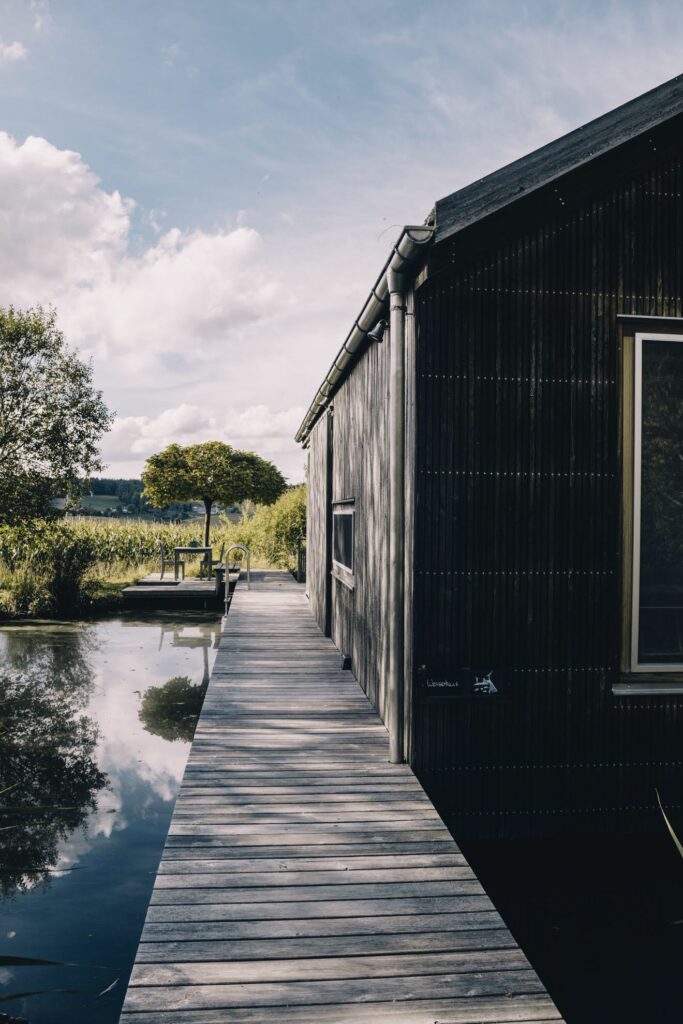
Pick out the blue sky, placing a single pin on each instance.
(210, 186)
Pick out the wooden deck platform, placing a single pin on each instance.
(305, 879)
(152, 591)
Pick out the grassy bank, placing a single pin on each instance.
(71, 568)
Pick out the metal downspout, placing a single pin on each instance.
(395, 611)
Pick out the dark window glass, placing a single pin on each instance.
(342, 547)
(660, 639)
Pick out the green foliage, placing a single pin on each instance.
(23, 496)
(275, 532)
(210, 472)
(172, 710)
(167, 477)
(51, 417)
(47, 564)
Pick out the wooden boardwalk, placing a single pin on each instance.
(305, 879)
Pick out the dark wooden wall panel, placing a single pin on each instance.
(360, 472)
(316, 533)
(517, 548)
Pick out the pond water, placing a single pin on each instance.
(97, 720)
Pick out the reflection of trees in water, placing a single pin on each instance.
(171, 711)
(61, 654)
(47, 771)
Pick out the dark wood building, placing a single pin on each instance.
(496, 485)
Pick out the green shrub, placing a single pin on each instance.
(46, 567)
(275, 531)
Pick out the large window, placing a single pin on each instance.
(657, 605)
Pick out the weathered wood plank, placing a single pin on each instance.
(371, 944)
(352, 865)
(226, 850)
(329, 968)
(202, 879)
(192, 895)
(395, 924)
(398, 989)
(302, 813)
(496, 1010)
(291, 910)
(274, 795)
(302, 827)
(272, 835)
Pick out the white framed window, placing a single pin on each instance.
(657, 574)
(344, 540)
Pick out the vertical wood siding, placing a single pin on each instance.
(317, 540)
(360, 471)
(517, 547)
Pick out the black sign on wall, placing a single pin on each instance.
(480, 683)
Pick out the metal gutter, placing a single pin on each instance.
(411, 241)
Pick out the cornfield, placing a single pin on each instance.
(110, 543)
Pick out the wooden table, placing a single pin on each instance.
(208, 555)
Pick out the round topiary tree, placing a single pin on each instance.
(210, 472)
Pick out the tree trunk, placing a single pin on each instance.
(208, 502)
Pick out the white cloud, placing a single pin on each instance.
(66, 241)
(256, 428)
(40, 10)
(60, 231)
(12, 52)
(196, 312)
(182, 299)
(155, 219)
(170, 53)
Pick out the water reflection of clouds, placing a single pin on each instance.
(126, 752)
(100, 823)
(122, 660)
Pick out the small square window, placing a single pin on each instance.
(344, 542)
(343, 536)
